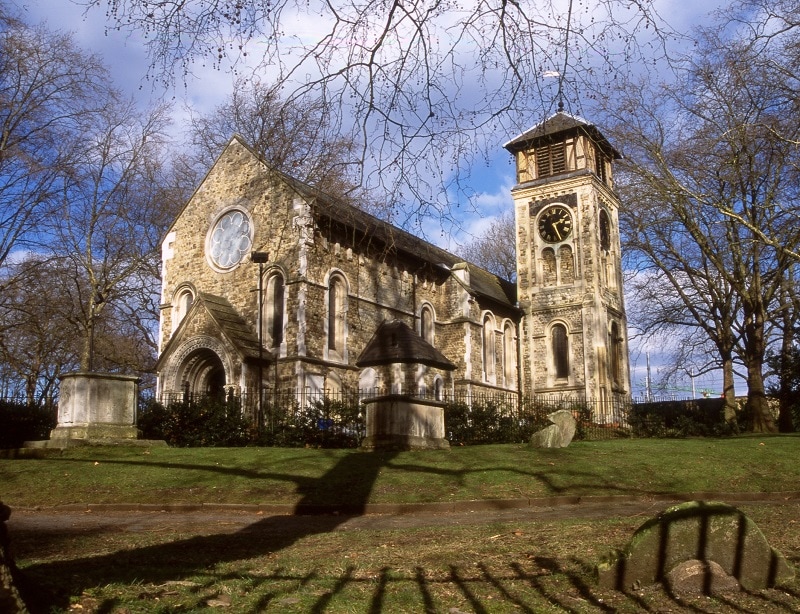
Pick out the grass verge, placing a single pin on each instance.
(291, 564)
(638, 467)
(320, 564)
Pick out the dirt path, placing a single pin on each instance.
(208, 520)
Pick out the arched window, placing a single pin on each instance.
(616, 354)
(438, 388)
(567, 264)
(489, 355)
(560, 349)
(274, 310)
(509, 356)
(337, 314)
(604, 222)
(426, 323)
(549, 273)
(181, 304)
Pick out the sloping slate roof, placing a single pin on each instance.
(367, 229)
(555, 124)
(232, 325)
(395, 342)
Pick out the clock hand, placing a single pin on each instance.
(555, 228)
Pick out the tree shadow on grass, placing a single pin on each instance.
(529, 583)
(526, 585)
(180, 559)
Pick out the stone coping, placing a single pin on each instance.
(100, 375)
(287, 509)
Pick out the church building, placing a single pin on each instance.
(267, 283)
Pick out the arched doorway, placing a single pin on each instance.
(203, 374)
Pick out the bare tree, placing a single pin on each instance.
(37, 343)
(86, 191)
(47, 87)
(111, 213)
(294, 136)
(424, 87)
(711, 177)
(494, 250)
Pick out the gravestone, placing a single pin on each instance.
(698, 531)
(559, 434)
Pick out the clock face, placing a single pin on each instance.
(230, 239)
(555, 224)
(605, 231)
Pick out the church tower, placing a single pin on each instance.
(569, 279)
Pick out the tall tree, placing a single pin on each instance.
(711, 184)
(37, 343)
(425, 87)
(298, 137)
(86, 191)
(48, 86)
(111, 213)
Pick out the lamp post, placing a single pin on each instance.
(260, 258)
(97, 301)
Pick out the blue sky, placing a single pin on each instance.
(125, 56)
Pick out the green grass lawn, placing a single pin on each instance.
(301, 564)
(638, 467)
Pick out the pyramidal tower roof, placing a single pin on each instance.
(560, 123)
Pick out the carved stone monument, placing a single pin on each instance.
(406, 418)
(96, 407)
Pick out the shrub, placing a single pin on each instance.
(325, 423)
(492, 422)
(206, 422)
(693, 418)
(188, 424)
(21, 422)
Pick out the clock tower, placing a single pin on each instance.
(569, 280)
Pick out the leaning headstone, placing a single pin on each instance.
(559, 434)
(10, 600)
(698, 531)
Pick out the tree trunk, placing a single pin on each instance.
(757, 407)
(785, 364)
(729, 392)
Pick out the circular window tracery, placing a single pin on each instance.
(230, 239)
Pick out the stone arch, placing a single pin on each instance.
(549, 267)
(202, 365)
(566, 264)
(336, 307)
(203, 374)
(489, 349)
(427, 323)
(182, 301)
